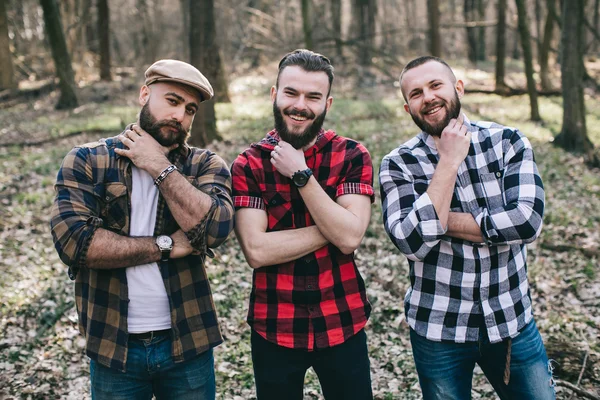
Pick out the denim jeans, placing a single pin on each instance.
(446, 369)
(151, 370)
(343, 370)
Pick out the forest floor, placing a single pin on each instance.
(41, 350)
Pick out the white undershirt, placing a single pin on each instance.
(148, 302)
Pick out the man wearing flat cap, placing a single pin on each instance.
(134, 218)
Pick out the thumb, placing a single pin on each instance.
(172, 147)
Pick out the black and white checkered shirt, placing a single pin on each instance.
(457, 285)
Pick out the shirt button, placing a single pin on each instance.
(306, 260)
(309, 287)
(498, 174)
(311, 309)
(273, 201)
(107, 198)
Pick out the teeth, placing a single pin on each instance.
(433, 111)
(298, 118)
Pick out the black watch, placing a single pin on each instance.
(300, 178)
(165, 245)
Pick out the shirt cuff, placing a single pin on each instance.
(249, 202)
(431, 227)
(355, 188)
(487, 229)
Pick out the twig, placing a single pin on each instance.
(585, 358)
(581, 392)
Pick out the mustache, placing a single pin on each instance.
(170, 124)
(300, 113)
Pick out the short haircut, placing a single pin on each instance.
(417, 62)
(308, 61)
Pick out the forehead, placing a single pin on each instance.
(424, 74)
(305, 81)
(188, 93)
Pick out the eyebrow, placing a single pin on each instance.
(428, 83)
(181, 99)
(319, 94)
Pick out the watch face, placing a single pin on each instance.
(164, 242)
(300, 178)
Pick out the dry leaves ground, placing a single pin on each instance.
(41, 350)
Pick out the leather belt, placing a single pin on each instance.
(149, 335)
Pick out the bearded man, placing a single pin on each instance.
(461, 200)
(303, 202)
(134, 218)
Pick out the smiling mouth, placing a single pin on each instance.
(432, 110)
(298, 118)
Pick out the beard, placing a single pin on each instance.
(298, 140)
(149, 123)
(452, 111)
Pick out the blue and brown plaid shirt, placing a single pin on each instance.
(93, 190)
(458, 287)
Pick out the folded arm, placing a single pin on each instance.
(262, 248)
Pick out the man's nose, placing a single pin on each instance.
(300, 103)
(428, 96)
(178, 114)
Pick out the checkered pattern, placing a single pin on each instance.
(457, 285)
(93, 190)
(319, 300)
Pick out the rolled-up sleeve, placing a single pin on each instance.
(520, 219)
(214, 179)
(409, 216)
(75, 211)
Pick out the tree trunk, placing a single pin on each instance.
(307, 23)
(468, 10)
(7, 77)
(205, 56)
(435, 40)
(62, 59)
(481, 56)
(501, 48)
(538, 27)
(573, 135)
(596, 46)
(336, 21)
(528, 59)
(364, 12)
(545, 49)
(104, 35)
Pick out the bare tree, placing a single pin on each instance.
(307, 23)
(364, 12)
(528, 59)
(481, 46)
(545, 49)
(7, 78)
(501, 85)
(435, 40)
(573, 135)
(472, 39)
(104, 35)
(205, 56)
(595, 46)
(336, 21)
(60, 54)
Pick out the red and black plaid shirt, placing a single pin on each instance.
(318, 300)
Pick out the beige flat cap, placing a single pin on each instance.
(180, 72)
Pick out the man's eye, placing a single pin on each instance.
(172, 101)
(190, 111)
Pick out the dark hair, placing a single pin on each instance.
(308, 61)
(417, 62)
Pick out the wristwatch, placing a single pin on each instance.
(165, 245)
(300, 178)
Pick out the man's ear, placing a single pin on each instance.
(144, 95)
(406, 108)
(273, 93)
(460, 88)
(328, 103)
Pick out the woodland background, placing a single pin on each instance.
(70, 72)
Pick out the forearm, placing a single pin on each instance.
(109, 250)
(187, 204)
(272, 248)
(441, 188)
(339, 225)
(463, 226)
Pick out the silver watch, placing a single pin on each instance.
(165, 245)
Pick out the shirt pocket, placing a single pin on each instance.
(115, 210)
(492, 188)
(279, 210)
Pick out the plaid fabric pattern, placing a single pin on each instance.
(319, 300)
(93, 189)
(458, 287)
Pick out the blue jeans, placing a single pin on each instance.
(151, 370)
(446, 369)
(343, 370)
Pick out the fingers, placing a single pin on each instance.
(173, 147)
(137, 130)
